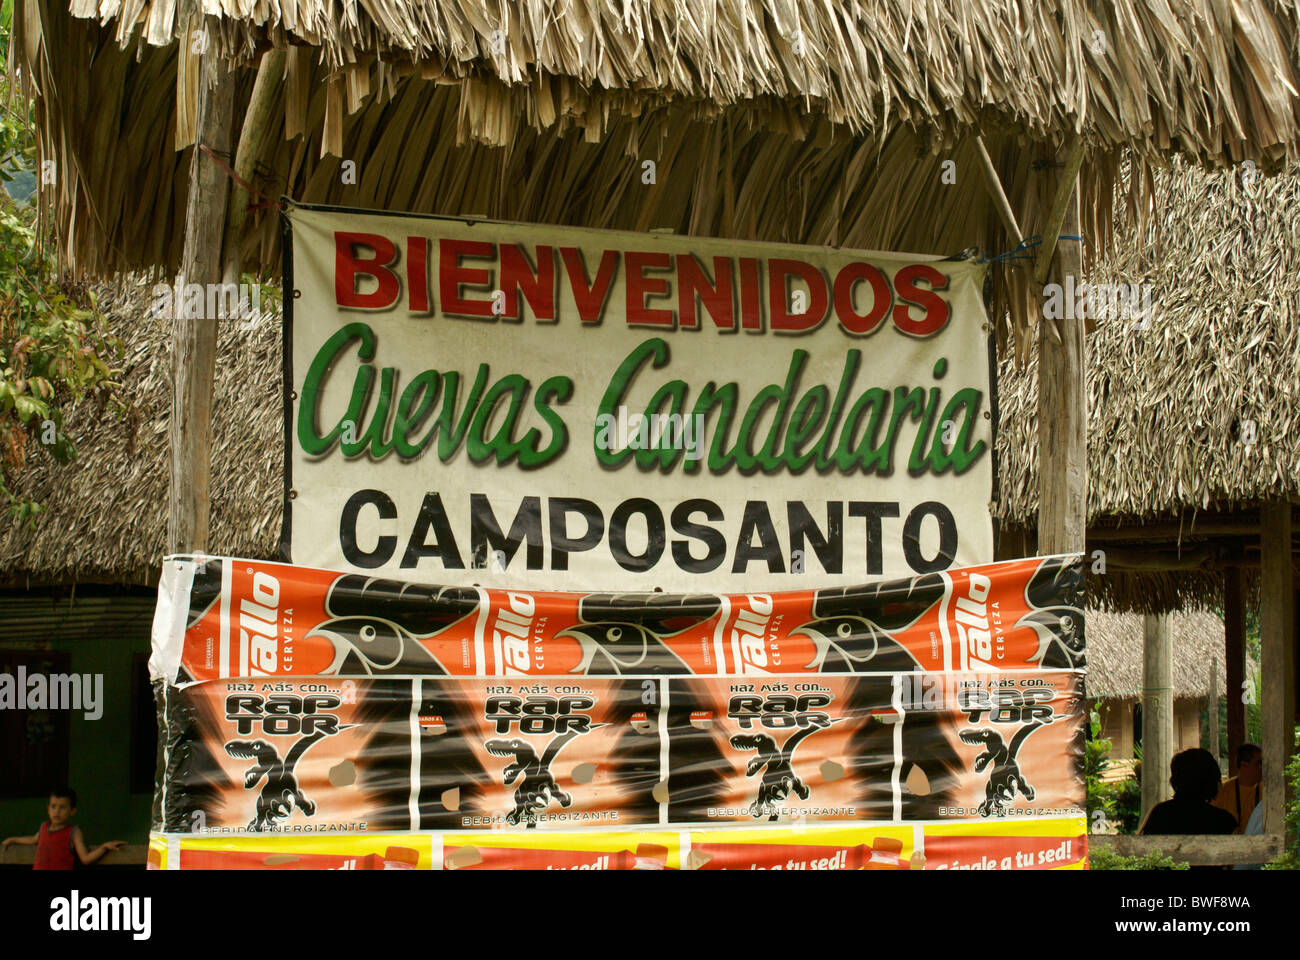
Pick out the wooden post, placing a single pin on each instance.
(1157, 710)
(1062, 398)
(1234, 642)
(1277, 656)
(253, 135)
(1212, 711)
(194, 339)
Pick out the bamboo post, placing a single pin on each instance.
(1213, 712)
(1234, 642)
(1157, 710)
(1062, 399)
(194, 339)
(1277, 656)
(999, 196)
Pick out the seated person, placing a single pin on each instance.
(1240, 794)
(1194, 775)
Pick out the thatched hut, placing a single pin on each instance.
(1115, 682)
(822, 124)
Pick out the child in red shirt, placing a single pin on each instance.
(57, 841)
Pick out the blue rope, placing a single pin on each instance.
(1023, 249)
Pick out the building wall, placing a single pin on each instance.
(1117, 725)
(99, 761)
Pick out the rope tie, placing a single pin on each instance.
(1023, 250)
(216, 158)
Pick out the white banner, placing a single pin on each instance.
(560, 408)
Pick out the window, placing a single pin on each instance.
(33, 743)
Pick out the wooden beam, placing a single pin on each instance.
(1064, 213)
(1277, 658)
(994, 184)
(1157, 709)
(1172, 531)
(1130, 558)
(194, 339)
(1234, 652)
(1212, 710)
(1062, 396)
(1213, 851)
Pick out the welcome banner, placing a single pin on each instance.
(500, 404)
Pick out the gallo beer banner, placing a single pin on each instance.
(561, 408)
(225, 618)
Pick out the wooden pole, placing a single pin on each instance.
(1234, 642)
(999, 196)
(1157, 710)
(1212, 701)
(194, 339)
(253, 135)
(1062, 398)
(1277, 659)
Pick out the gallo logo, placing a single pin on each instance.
(539, 714)
(511, 633)
(780, 711)
(283, 715)
(748, 631)
(258, 620)
(973, 622)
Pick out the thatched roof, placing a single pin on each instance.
(1115, 654)
(1162, 448)
(106, 513)
(1171, 406)
(817, 123)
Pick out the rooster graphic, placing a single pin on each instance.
(854, 628)
(626, 633)
(376, 626)
(1054, 595)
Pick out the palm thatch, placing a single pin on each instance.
(1115, 654)
(105, 518)
(1194, 412)
(815, 123)
(1199, 407)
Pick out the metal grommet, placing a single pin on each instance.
(293, 494)
(293, 394)
(297, 293)
(987, 415)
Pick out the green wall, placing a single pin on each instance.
(99, 767)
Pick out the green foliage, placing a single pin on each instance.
(55, 349)
(1289, 858)
(1120, 802)
(1102, 859)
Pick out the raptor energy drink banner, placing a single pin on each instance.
(906, 747)
(346, 756)
(226, 618)
(473, 402)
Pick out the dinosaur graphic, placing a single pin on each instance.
(376, 626)
(626, 633)
(537, 788)
(779, 778)
(281, 789)
(1006, 776)
(854, 628)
